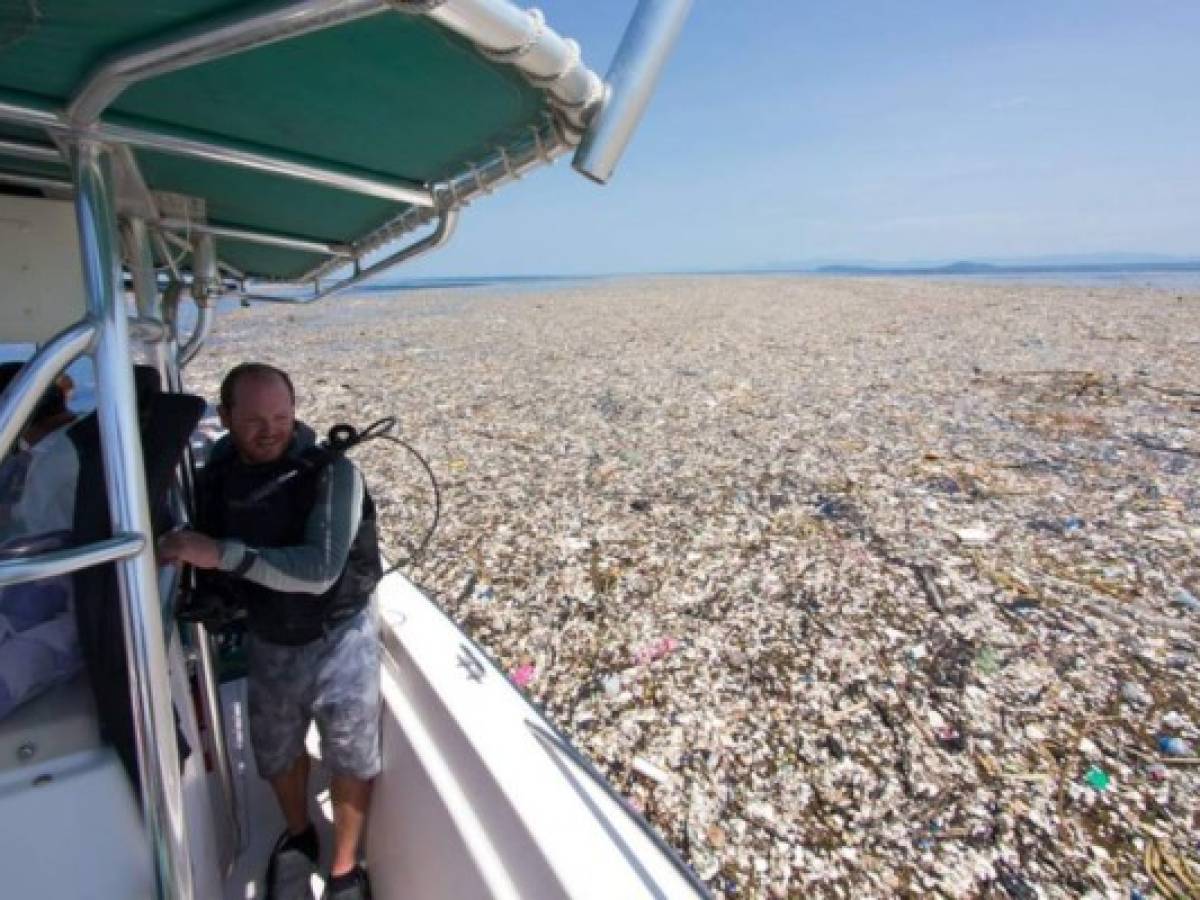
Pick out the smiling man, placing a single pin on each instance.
(292, 536)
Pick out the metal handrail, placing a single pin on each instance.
(63, 562)
(27, 150)
(25, 392)
(285, 166)
(445, 229)
(125, 483)
(204, 321)
(37, 182)
(447, 222)
(168, 360)
(270, 239)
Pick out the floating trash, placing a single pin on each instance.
(522, 676)
(855, 512)
(974, 537)
(1174, 746)
(1184, 598)
(655, 650)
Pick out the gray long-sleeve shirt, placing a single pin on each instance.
(312, 566)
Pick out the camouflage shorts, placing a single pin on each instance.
(334, 680)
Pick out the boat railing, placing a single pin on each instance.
(50, 564)
(163, 308)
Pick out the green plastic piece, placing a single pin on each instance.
(987, 661)
(1098, 778)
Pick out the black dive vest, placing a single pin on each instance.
(227, 510)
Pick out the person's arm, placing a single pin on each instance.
(48, 501)
(310, 567)
(313, 566)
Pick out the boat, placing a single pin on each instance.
(157, 160)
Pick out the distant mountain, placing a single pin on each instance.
(967, 267)
(1053, 262)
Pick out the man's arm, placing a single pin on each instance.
(314, 565)
(310, 567)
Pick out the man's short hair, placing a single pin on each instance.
(250, 370)
(53, 402)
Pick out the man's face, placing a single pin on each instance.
(261, 419)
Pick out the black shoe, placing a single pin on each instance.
(354, 885)
(293, 862)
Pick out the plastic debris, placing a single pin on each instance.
(1186, 599)
(1097, 778)
(1135, 694)
(974, 537)
(655, 650)
(1174, 746)
(651, 771)
(775, 472)
(1073, 524)
(522, 676)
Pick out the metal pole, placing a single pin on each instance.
(63, 562)
(542, 146)
(204, 321)
(141, 268)
(124, 475)
(26, 390)
(26, 150)
(37, 182)
(445, 228)
(631, 78)
(210, 698)
(329, 174)
(256, 237)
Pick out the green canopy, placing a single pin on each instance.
(393, 94)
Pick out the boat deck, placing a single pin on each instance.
(261, 821)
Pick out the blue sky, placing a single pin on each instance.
(788, 132)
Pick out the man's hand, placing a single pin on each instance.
(190, 547)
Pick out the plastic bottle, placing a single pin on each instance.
(1174, 746)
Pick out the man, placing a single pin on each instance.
(297, 544)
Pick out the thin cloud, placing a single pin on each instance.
(1007, 103)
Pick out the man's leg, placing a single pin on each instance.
(351, 797)
(291, 790)
(278, 688)
(346, 709)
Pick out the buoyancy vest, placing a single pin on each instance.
(232, 505)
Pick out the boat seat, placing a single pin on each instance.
(71, 829)
(60, 722)
(166, 421)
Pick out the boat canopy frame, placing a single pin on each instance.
(557, 105)
(116, 167)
